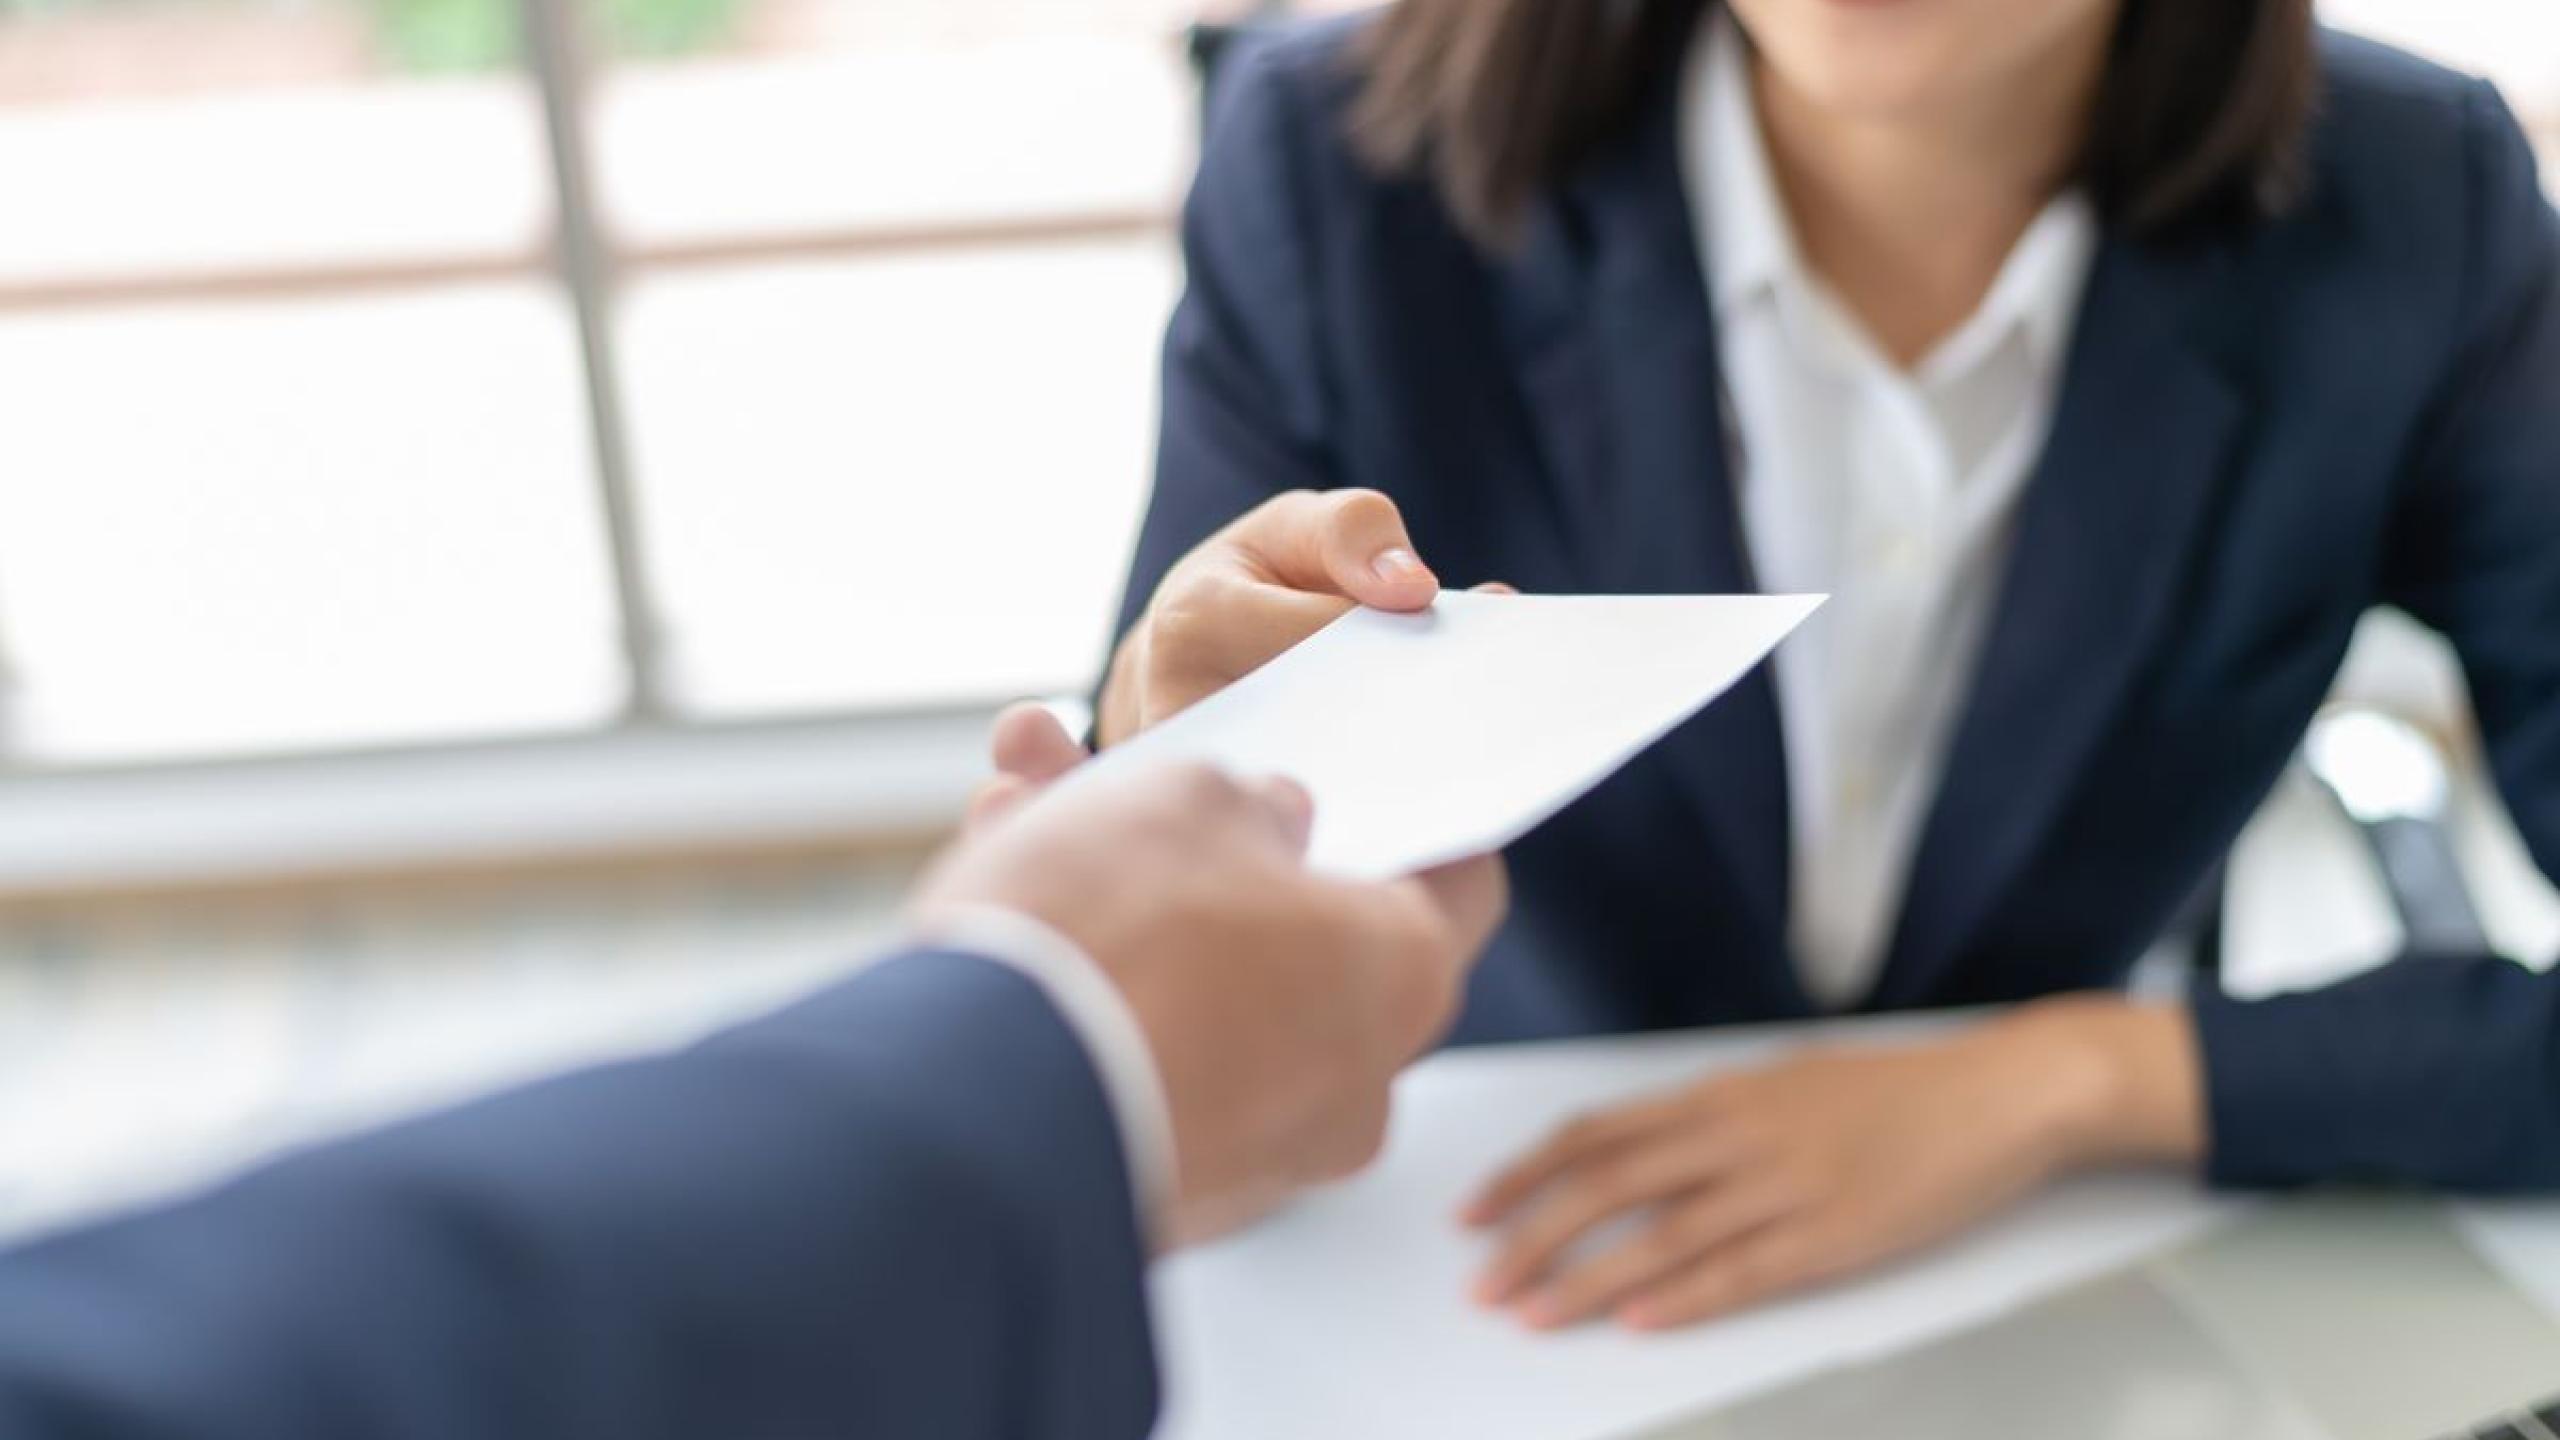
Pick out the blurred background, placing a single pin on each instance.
(503, 553)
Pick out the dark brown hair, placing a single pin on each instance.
(2198, 117)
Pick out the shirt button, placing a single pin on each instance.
(1899, 552)
(1857, 791)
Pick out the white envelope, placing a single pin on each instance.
(1428, 738)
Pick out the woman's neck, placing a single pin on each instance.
(1909, 220)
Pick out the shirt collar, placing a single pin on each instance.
(2039, 286)
(1750, 243)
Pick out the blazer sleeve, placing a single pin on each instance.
(1244, 415)
(898, 1208)
(2447, 1070)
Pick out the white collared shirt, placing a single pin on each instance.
(1890, 489)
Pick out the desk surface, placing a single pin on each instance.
(194, 1041)
(1347, 1317)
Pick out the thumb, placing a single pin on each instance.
(1029, 744)
(1289, 809)
(996, 799)
(1352, 543)
(1470, 897)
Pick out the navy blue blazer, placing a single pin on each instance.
(2261, 434)
(897, 1209)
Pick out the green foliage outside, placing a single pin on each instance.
(435, 35)
(461, 35)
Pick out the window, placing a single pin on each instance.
(307, 447)
(897, 274)
(375, 377)
(292, 452)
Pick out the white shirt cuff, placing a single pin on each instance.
(1100, 1017)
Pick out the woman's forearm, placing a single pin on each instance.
(2125, 1078)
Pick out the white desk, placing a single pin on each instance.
(1347, 1317)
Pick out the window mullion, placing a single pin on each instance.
(586, 264)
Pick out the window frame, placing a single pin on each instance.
(590, 264)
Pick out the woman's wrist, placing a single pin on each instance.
(1115, 716)
(2117, 1081)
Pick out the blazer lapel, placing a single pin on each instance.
(1614, 342)
(2140, 440)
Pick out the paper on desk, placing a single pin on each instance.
(1428, 738)
(1347, 1315)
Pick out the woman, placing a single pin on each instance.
(2104, 359)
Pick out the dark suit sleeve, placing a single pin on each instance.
(896, 1209)
(2447, 1071)
(1244, 410)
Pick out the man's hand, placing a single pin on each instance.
(1279, 1006)
(1029, 749)
(1285, 570)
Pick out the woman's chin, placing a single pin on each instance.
(1874, 85)
(1912, 61)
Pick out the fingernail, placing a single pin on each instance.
(1398, 566)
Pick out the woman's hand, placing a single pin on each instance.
(1287, 569)
(1751, 1185)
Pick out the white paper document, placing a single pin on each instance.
(1347, 1315)
(1427, 738)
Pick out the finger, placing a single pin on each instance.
(1204, 801)
(1350, 1139)
(1030, 744)
(1288, 809)
(1761, 1266)
(1471, 896)
(1455, 910)
(996, 799)
(1495, 587)
(1201, 1220)
(1639, 1174)
(1346, 542)
(1690, 1227)
(1569, 1146)
(1273, 815)
(1220, 626)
